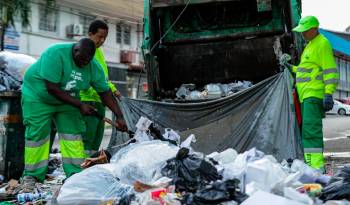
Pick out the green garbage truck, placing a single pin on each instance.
(216, 41)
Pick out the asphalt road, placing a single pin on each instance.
(336, 131)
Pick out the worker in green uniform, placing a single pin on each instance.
(92, 137)
(316, 80)
(51, 92)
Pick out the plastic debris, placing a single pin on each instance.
(338, 187)
(94, 185)
(211, 91)
(190, 171)
(12, 69)
(215, 193)
(142, 161)
(265, 198)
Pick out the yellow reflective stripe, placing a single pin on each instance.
(33, 144)
(304, 70)
(328, 71)
(331, 81)
(303, 80)
(72, 149)
(73, 161)
(34, 155)
(33, 167)
(315, 160)
(69, 137)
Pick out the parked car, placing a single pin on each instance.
(340, 108)
(344, 101)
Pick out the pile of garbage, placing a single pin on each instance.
(12, 192)
(210, 91)
(150, 170)
(12, 69)
(156, 168)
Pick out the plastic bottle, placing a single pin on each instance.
(29, 197)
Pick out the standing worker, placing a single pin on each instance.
(316, 80)
(50, 92)
(98, 31)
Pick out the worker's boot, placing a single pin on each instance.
(28, 184)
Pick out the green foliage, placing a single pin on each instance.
(9, 9)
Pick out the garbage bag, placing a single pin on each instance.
(240, 121)
(94, 185)
(15, 64)
(338, 187)
(142, 161)
(190, 171)
(216, 193)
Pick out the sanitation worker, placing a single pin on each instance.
(316, 81)
(92, 137)
(51, 92)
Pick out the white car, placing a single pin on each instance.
(340, 108)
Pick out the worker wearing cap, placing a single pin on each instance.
(316, 80)
(50, 92)
(92, 137)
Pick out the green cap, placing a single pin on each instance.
(307, 23)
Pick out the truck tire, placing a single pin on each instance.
(341, 111)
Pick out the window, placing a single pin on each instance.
(123, 33)
(85, 20)
(126, 36)
(48, 19)
(119, 33)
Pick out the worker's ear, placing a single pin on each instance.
(90, 34)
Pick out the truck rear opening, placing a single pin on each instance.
(214, 41)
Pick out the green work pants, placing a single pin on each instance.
(93, 135)
(312, 137)
(38, 117)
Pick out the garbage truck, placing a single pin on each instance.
(216, 41)
(199, 42)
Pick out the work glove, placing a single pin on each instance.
(328, 102)
(283, 60)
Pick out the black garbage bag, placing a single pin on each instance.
(216, 193)
(126, 200)
(190, 171)
(338, 187)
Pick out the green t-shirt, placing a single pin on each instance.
(56, 65)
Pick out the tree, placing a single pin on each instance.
(9, 9)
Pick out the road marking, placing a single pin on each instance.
(335, 138)
(337, 154)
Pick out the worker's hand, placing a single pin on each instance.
(121, 125)
(117, 94)
(86, 109)
(328, 102)
(284, 58)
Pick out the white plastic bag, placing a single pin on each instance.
(142, 161)
(94, 185)
(15, 64)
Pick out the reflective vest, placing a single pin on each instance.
(91, 94)
(317, 73)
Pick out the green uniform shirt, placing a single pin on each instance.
(90, 94)
(316, 75)
(56, 65)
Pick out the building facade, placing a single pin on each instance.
(341, 47)
(68, 21)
